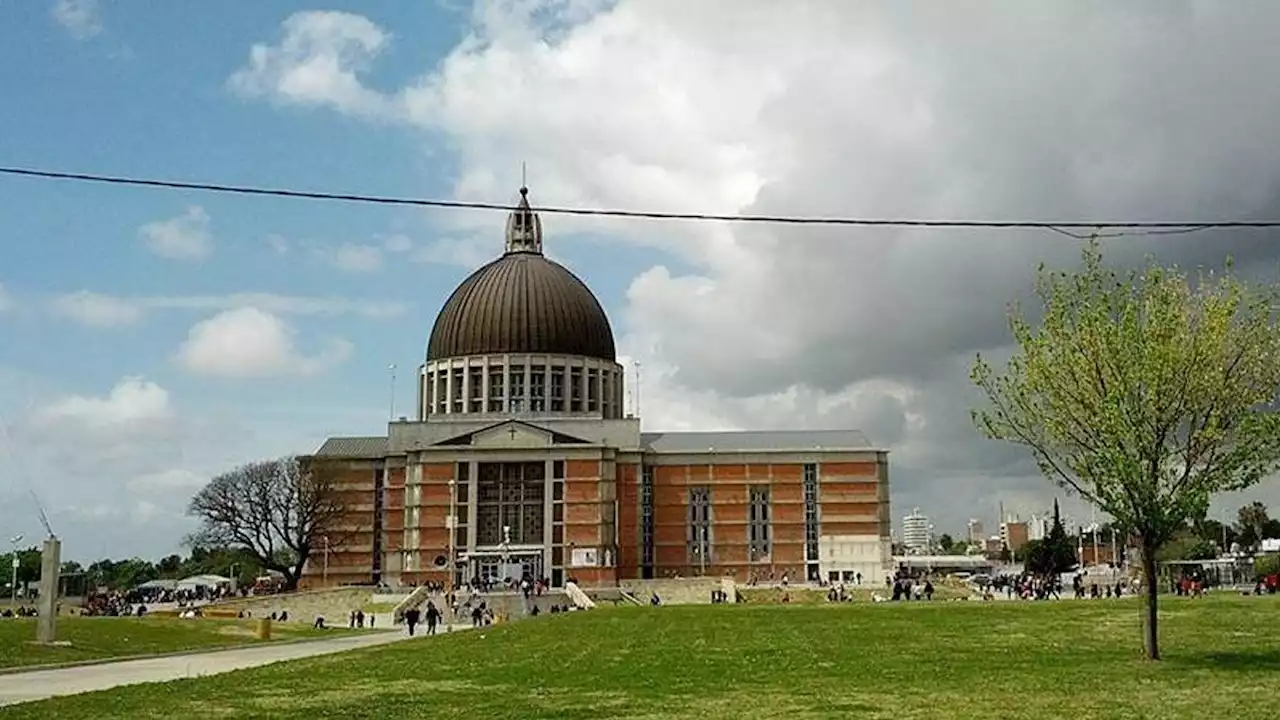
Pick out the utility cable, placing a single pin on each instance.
(1065, 228)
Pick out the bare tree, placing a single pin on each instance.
(274, 510)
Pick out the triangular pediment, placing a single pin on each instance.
(513, 434)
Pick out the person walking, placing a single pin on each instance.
(411, 619)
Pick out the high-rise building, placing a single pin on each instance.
(521, 461)
(1014, 535)
(915, 532)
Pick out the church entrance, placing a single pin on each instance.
(489, 567)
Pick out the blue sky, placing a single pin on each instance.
(142, 89)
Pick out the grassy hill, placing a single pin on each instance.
(1009, 660)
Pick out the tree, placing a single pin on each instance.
(945, 543)
(1006, 555)
(1145, 395)
(1053, 555)
(1251, 520)
(275, 511)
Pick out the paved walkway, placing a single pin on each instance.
(42, 684)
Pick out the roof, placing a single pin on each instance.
(353, 447)
(522, 303)
(756, 440)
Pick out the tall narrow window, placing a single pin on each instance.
(575, 389)
(515, 393)
(458, 378)
(475, 380)
(699, 537)
(496, 398)
(758, 523)
(593, 390)
(537, 388)
(557, 389)
(646, 520)
(442, 391)
(811, 520)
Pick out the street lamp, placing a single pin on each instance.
(13, 599)
(505, 547)
(324, 577)
(452, 525)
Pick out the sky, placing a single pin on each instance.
(150, 339)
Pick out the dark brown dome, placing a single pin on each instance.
(522, 303)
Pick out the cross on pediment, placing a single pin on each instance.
(512, 431)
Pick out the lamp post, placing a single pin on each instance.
(505, 549)
(324, 577)
(13, 599)
(452, 524)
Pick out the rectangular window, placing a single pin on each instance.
(496, 402)
(458, 380)
(811, 514)
(593, 390)
(510, 495)
(515, 396)
(758, 523)
(475, 381)
(557, 470)
(646, 519)
(575, 389)
(699, 535)
(442, 392)
(557, 389)
(537, 388)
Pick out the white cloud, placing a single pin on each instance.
(80, 18)
(355, 257)
(851, 109)
(397, 244)
(278, 243)
(316, 63)
(166, 481)
(133, 401)
(249, 342)
(6, 300)
(99, 310)
(185, 237)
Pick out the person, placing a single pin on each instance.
(433, 618)
(411, 619)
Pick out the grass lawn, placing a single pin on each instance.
(1008, 660)
(108, 637)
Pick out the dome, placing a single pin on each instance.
(522, 303)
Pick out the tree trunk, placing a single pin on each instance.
(1151, 601)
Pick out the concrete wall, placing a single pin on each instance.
(334, 605)
(685, 591)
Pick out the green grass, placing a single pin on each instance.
(906, 661)
(109, 637)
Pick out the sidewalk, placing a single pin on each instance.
(42, 684)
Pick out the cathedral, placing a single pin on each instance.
(521, 461)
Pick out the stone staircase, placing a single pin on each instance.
(579, 598)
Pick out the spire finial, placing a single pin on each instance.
(524, 179)
(524, 229)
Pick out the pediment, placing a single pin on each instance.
(514, 434)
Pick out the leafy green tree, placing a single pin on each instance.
(1144, 394)
(1251, 520)
(946, 543)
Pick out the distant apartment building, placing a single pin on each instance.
(915, 532)
(977, 534)
(1014, 535)
(1038, 526)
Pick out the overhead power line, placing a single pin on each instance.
(1127, 227)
